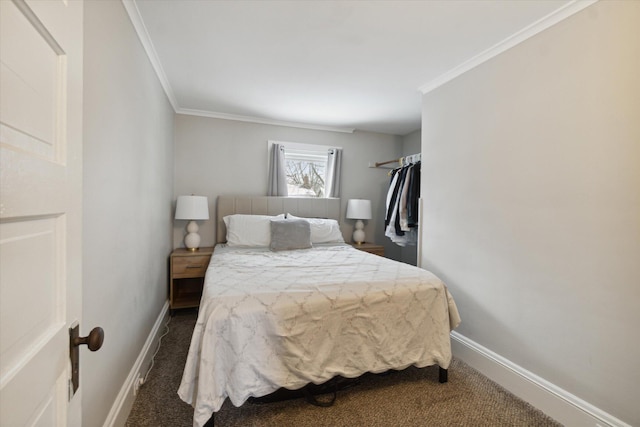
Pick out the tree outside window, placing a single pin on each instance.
(306, 172)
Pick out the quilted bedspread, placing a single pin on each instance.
(284, 319)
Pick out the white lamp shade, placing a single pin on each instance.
(359, 209)
(192, 207)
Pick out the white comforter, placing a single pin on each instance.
(284, 319)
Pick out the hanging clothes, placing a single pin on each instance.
(401, 218)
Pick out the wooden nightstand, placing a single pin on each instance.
(372, 248)
(186, 277)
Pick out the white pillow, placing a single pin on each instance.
(249, 230)
(323, 230)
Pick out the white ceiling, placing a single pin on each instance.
(340, 65)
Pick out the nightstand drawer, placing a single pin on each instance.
(191, 266)
(187, 277)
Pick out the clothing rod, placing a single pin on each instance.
(413, 158)
(387, 162)
(402, 160)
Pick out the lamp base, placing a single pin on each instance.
(192, 239)
(358, 233)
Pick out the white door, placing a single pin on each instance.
(40, 208)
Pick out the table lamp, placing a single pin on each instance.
(359, 209)
(192, 208)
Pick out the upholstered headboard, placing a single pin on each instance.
(263, 205)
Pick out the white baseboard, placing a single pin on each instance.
(554, 401)
(124, 401)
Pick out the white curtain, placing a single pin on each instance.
(277, 172)
(334, 165)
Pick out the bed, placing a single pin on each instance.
(296, 305)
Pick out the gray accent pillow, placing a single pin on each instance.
(289, 234)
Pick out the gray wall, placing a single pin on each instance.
(128, 189)
(531, 187)
(215, 157)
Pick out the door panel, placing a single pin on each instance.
(38, 304)
(40, 208)
(32, 86)
(38, 391)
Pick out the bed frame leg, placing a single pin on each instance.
(443, 375)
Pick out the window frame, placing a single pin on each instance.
(317, 151)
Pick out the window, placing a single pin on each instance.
(306, 169)
(303, 170)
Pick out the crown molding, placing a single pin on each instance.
(540, 25)
(138, 24)
(258, 120)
